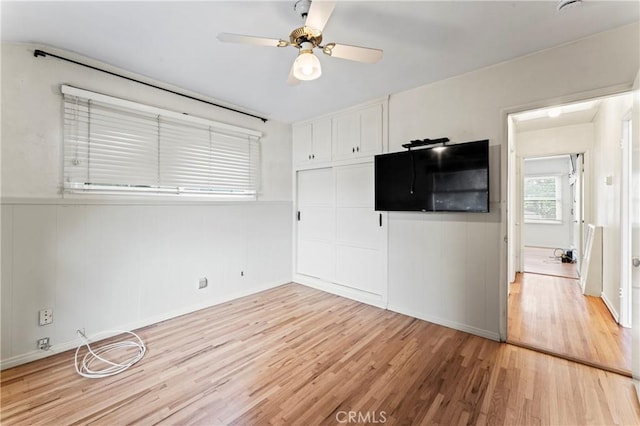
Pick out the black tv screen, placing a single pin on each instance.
(453, 179)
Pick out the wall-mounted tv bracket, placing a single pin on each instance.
(424, 142)
(415, 144)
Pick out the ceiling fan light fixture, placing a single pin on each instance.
(306, 66)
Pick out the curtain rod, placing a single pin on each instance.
(37, 53)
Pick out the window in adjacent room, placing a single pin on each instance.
(543, 199)
(117, 146)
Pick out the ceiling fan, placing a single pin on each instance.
(316, 13)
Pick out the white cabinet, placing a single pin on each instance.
(316, 223)
(312, 142)
(341, 240)
(358, 133)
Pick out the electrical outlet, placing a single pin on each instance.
(46, 316)
(203, 283)
(44, 344)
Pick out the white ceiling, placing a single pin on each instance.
(567, 115)
(423, 41)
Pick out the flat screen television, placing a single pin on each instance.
(453, 179)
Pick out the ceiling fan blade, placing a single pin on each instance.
(319, 13)
(258, 41)
(353, 53)
(292, 81)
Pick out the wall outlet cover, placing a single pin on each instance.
(45, 316)
(203, 283)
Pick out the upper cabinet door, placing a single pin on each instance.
(371, 131)
(321, 140)
(346, 135)
(353, 134)
(302, 143)
(312, 142)
(358, 133)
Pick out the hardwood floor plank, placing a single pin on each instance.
(552, 314)
(295, 355)
(542, 260)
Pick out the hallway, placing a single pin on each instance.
(551, 314)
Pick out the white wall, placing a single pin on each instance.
(607, 203)
(553, 235)
(555, 141)
(450, 268)
(120, 262)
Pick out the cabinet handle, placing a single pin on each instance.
(298, 215)
(380, 219)
(353, 150)
(357, 148)
(309, 156)
(313, 156)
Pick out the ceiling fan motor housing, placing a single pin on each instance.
(305, 34)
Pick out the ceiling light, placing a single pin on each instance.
(439, 149)
(307, 65)
(554, 112)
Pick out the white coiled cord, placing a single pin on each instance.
(92, 356)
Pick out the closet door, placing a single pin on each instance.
(359, 250)
(371, 131)
(316, 223)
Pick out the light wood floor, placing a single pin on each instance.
(296, 355)
(540, 260)
(551, 313)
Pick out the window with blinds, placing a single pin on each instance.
(543, 199)
(113, 145)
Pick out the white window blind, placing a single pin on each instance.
(113, 145)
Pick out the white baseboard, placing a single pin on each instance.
(378, 301)
(447, 323)
(373, 299)
(609, 306)
(65, 346)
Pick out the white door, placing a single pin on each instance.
(321, 146)
(316, 223)
(302, 147)
(346, 135)
(635, 234)
(512, 206)
(577, 209)
(371, 131)
(360, 258)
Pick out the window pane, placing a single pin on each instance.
(542, 200)
(540, 187)
(540, 210)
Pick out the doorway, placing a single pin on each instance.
(564, 173)
(551, 203)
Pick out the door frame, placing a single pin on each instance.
(625, 223)
(507, 156)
